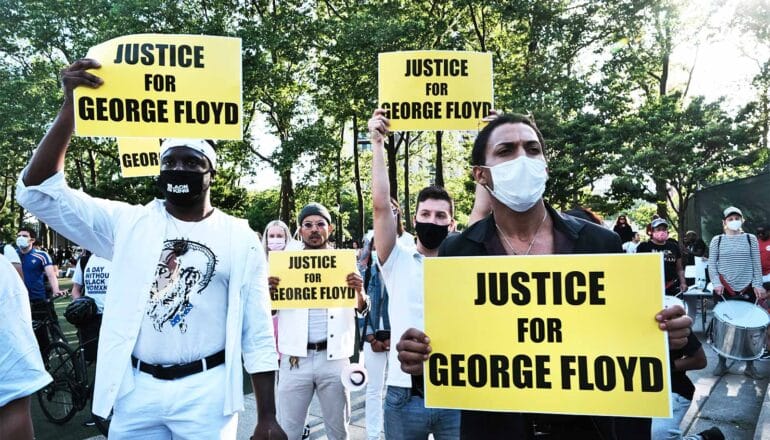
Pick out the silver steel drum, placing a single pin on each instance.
(738, 330)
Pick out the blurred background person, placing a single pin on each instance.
(623, 229)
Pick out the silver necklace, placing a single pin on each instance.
(531, 243)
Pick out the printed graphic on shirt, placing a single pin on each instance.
(185, 269)
(668, 255)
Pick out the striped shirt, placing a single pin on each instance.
(738, 263)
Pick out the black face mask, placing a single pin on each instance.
(181, 188)
(430, 234)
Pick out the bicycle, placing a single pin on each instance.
(71, 388)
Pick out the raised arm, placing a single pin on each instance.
(384, 220)
(49, 156)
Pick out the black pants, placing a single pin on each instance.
(42, 310)
(88, 335)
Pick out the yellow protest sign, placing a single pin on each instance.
(313, 279)
(562, 334)
(435, 89)
(160, 86)
(139, 157)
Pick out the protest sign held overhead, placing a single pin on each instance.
(435, 90)
(139, 157)
(313, 279)
(155, 85)
(559, 334)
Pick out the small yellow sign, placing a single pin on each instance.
(435, 89)
(164, 86)
(560, 334)
(139, 157)
(313, 279)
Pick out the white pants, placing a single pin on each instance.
(186, 408)
(376, 364)
(296, 387)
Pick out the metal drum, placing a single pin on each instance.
(738, 330)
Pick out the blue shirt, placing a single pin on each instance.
(33, 264)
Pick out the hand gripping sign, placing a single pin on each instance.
(435, 90)
(313, 279)
(561, 334)
(160, 86)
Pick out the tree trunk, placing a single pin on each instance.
(338, 191)
(359, 193)
(20, 218)
(406, 214)
(92, 168)
(661, 198)
(287, 198)
(439, 159)
(391, 148)
(79, 173)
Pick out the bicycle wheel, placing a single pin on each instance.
(57, 399)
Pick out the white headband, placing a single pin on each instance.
(198, 145)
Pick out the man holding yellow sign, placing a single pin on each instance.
(187, 306)
(316, 324)
(509, 161)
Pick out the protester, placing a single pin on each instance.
(508, 158)
(376, 343)
(276, 237)
(402, 270)
(630, 247)
(318, 344)
(673, 273)
(188, 292)
(22, 372)
(623, 229)
(763, 240)
(736, 272)
(693, 247)
(91, 278)
(37, 266)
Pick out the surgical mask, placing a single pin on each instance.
(22, 242)
(734, 225)
(430, 234)
(660, 235)
(181, 188)
(519, 183)
(276, 244)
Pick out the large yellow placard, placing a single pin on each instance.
(435, 90)
(161, 86)
(547, 334)
(313, 279)
(139, 157)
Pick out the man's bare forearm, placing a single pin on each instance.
(264, 390)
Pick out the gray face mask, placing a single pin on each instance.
(519, 183)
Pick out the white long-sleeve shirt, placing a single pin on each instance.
(132, 237)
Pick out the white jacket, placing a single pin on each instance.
(340, 332)
(130, 236)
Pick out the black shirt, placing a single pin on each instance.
(571, 236)
(671, 253)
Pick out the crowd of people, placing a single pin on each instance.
(181, 306)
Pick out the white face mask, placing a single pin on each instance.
(519, 183)
(734, 225)
(22, 242)
(276, 244)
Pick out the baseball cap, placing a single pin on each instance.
(731, 210)
(658, 222)
(314, 209)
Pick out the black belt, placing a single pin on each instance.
(172, 372)
(317, 346)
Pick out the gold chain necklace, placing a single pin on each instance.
(531, 243)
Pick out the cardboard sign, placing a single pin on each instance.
(435, 90)
(139, 157)
(161, 86)
(313, 279)
(562, 334)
